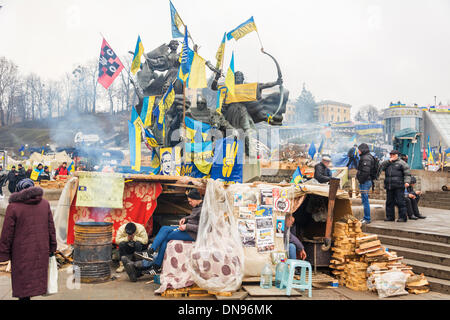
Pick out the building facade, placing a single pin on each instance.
(401, 117)
(331, 112)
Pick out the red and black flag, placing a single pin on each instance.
(109, 65)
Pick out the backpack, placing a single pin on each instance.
(374, 169)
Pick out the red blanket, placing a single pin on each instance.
(139, 203)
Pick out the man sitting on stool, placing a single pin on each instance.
(131, 237)
(294, 243)
(412, 201)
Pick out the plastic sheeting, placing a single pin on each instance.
(217, 259)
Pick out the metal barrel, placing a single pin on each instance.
(92, 251)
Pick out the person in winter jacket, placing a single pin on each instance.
(187, 231)
(412, 201)
(21, 173)
(321, 171)
(366, 162)
(62, 170)
(131, 237)
(294, 243)
(45, 175)
(12, 178)
(397, 179)
(28, 239)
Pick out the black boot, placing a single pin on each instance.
(134, 270)
(412, 218)
(420, 216)
(401, 220)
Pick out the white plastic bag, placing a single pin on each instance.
(217, 260)
(391, 283)
(52, 284)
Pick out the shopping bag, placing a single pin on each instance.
(52, 285)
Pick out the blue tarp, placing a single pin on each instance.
(341, 160)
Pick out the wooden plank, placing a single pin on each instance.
(257, 291)
(239, 295)
(370, 244)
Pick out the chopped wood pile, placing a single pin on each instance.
(62, 259)
(417, 284)
(358, 256)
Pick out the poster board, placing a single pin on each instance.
(100, 190)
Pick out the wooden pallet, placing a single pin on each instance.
(193, 292)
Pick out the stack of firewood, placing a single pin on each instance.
(358, 256)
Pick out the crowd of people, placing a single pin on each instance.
(15, 175)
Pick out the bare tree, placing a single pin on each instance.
(8, 76)
(367, 113)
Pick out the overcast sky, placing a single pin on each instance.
(354, 51)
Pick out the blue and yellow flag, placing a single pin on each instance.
(35, 174)
(149, 138)
(134, 136)
(229, 80)
(320, 147)
(228, 160)
(242, 30)
(71, 167)
(312, 150)
(221, 96)
(430, 158)
(221, 52)
(147, 110)
(186, 57)
(22, 150)
(297, 177)
(196, 131)
(164, 105)
(201, 154)
(138, 52)
(177, 23)
(197, 74)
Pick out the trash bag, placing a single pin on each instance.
(391, 284)
(217, 259)
(52, 282)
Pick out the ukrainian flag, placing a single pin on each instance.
(164, 105)
(177, 23)
(196, 131)
(297, 177)
(71, 168)
(134, 136)
(197, 74)
(221, 95)
(150, 138)
(221, 52)
(186, 57)
(229, 80)
(320, 147)
(201, 154)
(429, 153)
(242, 30)
(147, 110)
(35, 174)
(22, 150)
(138, 51)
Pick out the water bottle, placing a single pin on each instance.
(266, 277)
(281, 266)
(406, 193)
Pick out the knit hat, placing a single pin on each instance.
(194, 195)
(130, 228)
(24, 184)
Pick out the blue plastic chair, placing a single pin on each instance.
(288, 281)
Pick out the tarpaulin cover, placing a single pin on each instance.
(217, 259)
(139, 203)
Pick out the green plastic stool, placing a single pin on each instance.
(288, 281)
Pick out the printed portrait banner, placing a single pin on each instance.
(99, 190)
